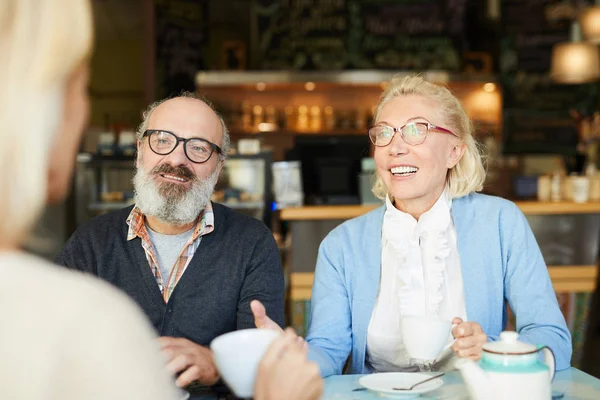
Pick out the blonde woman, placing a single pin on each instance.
(63, 336)
(435, 248)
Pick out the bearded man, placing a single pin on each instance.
(193, 266)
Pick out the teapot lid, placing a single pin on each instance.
(508, 344)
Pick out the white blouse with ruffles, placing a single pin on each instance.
(420, 275)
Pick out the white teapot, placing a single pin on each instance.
(509, 370)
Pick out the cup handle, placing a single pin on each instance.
(454, 340)
(549, 360)
(452, 328)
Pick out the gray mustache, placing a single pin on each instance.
(181, 171)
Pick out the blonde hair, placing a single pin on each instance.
(469, 174)
(42, 42)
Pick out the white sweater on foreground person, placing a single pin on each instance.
(69, 336)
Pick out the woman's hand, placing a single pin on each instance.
(285, 373)
(469, 339)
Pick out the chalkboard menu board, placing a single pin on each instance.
(539, 132)
(529, 35)
(530, 29)
(538, 114)
(359, 34)
(537, 91)
(536, 110)
(181, 35)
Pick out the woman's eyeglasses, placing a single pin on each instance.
(413, 133)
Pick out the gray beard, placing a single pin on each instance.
(171, 205)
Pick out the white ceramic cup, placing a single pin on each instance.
(237, 355)
(424, 336)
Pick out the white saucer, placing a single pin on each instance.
(384, 382)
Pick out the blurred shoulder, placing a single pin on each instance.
(48, 288)
(105, 225)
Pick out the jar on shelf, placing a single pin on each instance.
(106, 144)
(580, 187)
(544, 188)
(127, 143)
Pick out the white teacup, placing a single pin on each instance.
(424, 336)
(237, 355)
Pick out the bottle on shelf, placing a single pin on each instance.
(271, 115)
(315, 119)
(302, 121)
(289, 122)
(329, 119)
(246, 116)
(556, 187)
(559, 187)
(258, 116)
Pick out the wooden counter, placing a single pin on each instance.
(570, 270)
(351, 211)
(565, 278)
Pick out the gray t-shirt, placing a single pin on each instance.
(167, 248)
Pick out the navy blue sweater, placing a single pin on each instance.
(234, 264)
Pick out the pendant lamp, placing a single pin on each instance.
(575, 62)
(590, 23)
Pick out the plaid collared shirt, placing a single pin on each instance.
(137, 228)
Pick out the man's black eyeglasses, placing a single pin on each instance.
(197, 150)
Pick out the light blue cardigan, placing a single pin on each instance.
(500, 260)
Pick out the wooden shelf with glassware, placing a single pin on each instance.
(289, 103)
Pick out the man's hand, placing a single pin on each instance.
(195, 362)
(285, 373)
(469, 339)
(260, 317)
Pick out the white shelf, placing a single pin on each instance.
(99, 206)
(233, 78)
(245, 205)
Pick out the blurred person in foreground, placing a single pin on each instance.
(66, 336)
(193, 266)
(435, 248)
